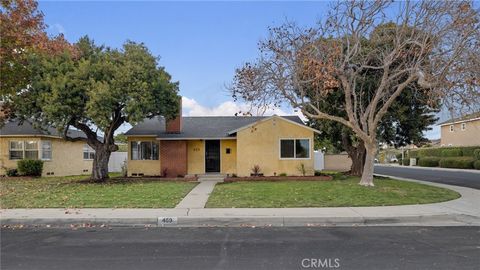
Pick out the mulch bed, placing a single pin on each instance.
(280, 178)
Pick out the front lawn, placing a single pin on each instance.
(76, 192)
(336, 193)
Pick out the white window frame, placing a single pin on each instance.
(452, 128)
(139, 143)
(41, 150)
(294, 148)
(89, 150)
(463, 126)
(17, 150)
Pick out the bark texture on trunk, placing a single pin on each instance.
(100, 164)
(356, 154)
(367, 176)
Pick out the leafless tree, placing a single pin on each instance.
(432, 44)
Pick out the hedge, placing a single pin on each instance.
(429, 161)
(476, 154)
(476, 164)
(457, 162)
(467, 151)
(29, 167)
(406, 161)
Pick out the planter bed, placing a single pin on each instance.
(279, 178)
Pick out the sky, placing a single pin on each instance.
(199, 43)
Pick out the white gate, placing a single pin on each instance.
(318, 160)
(116, 161)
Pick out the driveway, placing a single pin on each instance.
(457, 178)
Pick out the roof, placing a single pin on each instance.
(201, 127)
(468, 117)
(13, 128)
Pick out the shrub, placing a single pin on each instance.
(476, 154)
(476, 164)
(256, 170)
(301, 168)
(284, 174)
(451, 152)
(30, 167)
(469, 151)
(457, 162)
(406, 162)
(12, 172)
(429, 161)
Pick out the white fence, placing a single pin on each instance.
(318, 160)
(116, 161)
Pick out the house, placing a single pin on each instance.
(220, 144)
(60, 157)
(462, 131)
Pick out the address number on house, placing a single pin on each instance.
(167, 220)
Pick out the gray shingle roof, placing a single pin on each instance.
(199, 126)
(461, 119)
(13, 127)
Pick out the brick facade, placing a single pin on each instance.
(173, 158)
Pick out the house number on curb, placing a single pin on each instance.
(167, 221)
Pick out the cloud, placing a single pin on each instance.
(58, 28)
(228, 108)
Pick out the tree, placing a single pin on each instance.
(23, 33)
(96, 93)
(428, 46)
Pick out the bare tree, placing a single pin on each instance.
(427, 43)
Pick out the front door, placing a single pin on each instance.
(212, 156)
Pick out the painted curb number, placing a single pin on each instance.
(167, 220)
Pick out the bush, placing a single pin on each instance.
(457, 162)
(451, 152)
(429, 161)
(476, 154)
(469, 151)
(284, 174)
(476, 164)
(406, 162)
(12, 172)
(29, 167)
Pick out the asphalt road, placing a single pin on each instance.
(464, 179)
(242, 248)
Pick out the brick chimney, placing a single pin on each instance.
(175, 125)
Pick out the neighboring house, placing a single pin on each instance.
(60, 157)
(463, 131)
(223, 144)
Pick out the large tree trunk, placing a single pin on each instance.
(100, 164)
(367, 176)
(357, 154)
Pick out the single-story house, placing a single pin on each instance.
(233, 145)
(462, 131)
(61, 157)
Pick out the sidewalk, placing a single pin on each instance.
(462, 211)
(427, 168)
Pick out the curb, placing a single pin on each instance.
(253, 221)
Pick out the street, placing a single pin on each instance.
(457, 178)
(242, 248)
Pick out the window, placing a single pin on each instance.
(31, 150)
(144, 150)
(295, 148)
(464, 126)
(451, 128)
(16, 150)
(46, 150)
(88, 152)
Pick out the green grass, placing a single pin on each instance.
(76, 192)
(337, 193)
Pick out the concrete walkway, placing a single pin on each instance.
(198, 197)
(190, 213)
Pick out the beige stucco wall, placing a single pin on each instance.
(260, 145)
(468, 137)
(340, 162)
(67, 157)
(196, 157)
(147, 167)
(228, 162)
